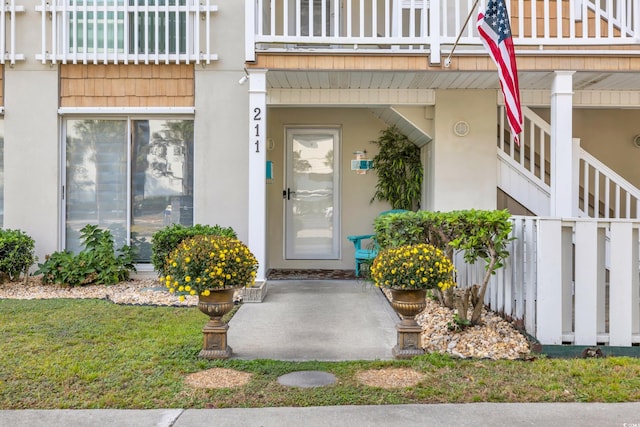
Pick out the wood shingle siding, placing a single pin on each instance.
(127, 85)
(526, 62)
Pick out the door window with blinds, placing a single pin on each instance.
(132, 176)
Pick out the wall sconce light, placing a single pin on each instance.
(244, 78)
(461, 128)
(636, 141)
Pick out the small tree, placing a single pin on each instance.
(481, 235)
(399, 170)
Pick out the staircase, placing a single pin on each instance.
(524, 173)
(617, 16)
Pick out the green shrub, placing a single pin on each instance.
(16, 254)
(98, 263)
(164, 241)
(479, 234)
(412, 228)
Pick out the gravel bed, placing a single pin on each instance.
(136, 292)
(494, 339)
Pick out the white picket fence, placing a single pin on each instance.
(568, 281)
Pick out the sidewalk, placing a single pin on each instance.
(471, 414)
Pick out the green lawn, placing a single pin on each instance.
(95, 354)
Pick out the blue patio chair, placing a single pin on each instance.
(366, 248)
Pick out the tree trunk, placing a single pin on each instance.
(479, 304)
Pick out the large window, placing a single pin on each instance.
(131, 176)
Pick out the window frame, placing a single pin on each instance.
(129, 119)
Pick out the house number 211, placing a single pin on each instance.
(257, 117)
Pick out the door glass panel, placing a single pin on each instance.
(96, 181)
(162, 179)
(311, 198)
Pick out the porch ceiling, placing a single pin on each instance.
(582, 80)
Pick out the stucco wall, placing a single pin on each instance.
(222, 127)
(32, 149)
(464, 168)
(608, 136)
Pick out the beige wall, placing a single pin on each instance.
(608, 134)
(464, 168)
(221, 130)
(221, 178)
(32, 157)
(358, 127)
(32, 149)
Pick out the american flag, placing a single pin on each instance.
(495, 31)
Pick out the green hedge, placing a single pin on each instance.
(166, 240)
(471, 230)
(16, 254)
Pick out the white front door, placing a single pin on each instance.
(311, 196)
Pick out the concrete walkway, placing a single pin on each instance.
(325, 320)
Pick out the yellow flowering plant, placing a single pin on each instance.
(202, 263)
(420, 266)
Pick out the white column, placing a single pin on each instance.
(564, 197)
(257, 167)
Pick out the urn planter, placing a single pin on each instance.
(408, 303)
(215, 305)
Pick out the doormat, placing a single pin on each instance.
(300, 274)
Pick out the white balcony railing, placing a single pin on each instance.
(126, 31)
(433, 25)
(8, 11)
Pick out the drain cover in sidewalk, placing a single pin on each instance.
(307, 379)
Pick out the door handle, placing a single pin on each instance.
(287, 193)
